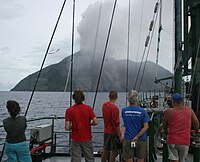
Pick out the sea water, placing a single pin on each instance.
(46, 104)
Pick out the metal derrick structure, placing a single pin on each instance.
(187, 48)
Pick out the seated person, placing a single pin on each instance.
(154, 103)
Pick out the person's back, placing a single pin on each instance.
(179, 123)
(110, 114)
(16, 147)
(177, 126)
(135, 121)
(112, 134)
(133, 118)
(79, 118)
(15, 128)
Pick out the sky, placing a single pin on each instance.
(26, 28)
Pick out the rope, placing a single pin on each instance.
(137, 76)
(106, 45)
(2, 152)
(139, 39)
(146, 44)
(140, 31)
(44, 59)
(95, 41)
(47, 51)
(72, 54)
(128, 51)
(158, 41)
(147, 55)
(67, 80)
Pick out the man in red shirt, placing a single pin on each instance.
(112, 134)
(177, 124)
(79, 118)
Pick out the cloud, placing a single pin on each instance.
(117, 46)
(10, 9)
(27, 25)
(5, 50)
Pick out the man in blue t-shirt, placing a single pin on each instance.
(135, 121)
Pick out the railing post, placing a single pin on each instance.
(151, 141)
(196, 146)
(196, 154)
(53, 139)
(165, 152)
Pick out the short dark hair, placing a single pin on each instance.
(113, 94)
(13, 108)
(78, 96)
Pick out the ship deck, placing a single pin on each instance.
(98, 159)
(66, 159)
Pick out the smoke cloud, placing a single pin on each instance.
(94, 26)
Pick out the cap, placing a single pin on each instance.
(132, 96)
(177, 97)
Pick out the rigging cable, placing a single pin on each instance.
(158, 41)
(146, 44)
(153, 28)
(140, 31)
(39, 73)
(128, 50)
(104, 54)
(72, 53)
(95, 41)
(47, 51)
(68, 75)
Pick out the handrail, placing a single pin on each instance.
(55, 133)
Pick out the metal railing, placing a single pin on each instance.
(60, 139)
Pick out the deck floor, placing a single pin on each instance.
(66, 159)
(98, 159)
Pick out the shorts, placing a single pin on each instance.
(178, 152)
(85, 148)
(18, 152)
(140, 151)
(111, 142)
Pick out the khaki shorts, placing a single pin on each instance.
(111, 142)
(140, 151)
(178, 152)
(85, 148)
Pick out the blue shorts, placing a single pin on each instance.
(18, 152)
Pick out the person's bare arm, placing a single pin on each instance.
(165, 119)
(94, 121)
(142, 131)
(67, 125)
(118, 132)
(195, 121)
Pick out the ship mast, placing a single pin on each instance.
(191, 52)
(177, 81)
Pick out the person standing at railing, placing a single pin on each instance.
(112, 134)
(136, 125)
(177, 126)
(16, 147)
(79, 118)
